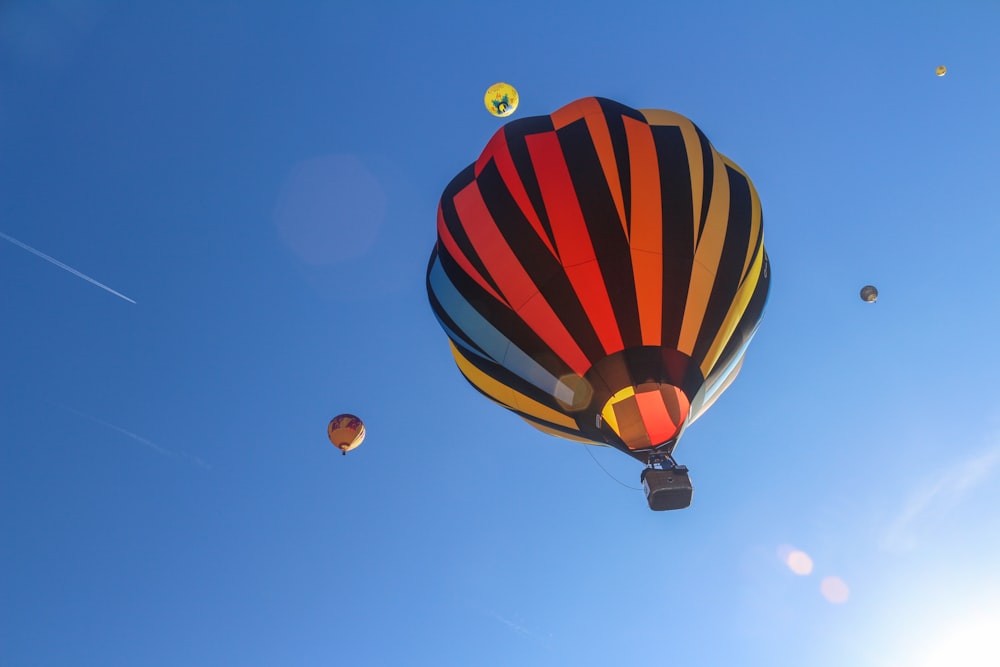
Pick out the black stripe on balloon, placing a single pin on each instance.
(678, 227)
(503, 319)
(544, 270)
(731, 259)
(755, 308)
(459, 337)
(517, 148)
(745, 327)
(672, 403)
(442, 314)
(743, 330)
(708, 175)
(747, 324)
(555, 427)
(758, 244)
(607, 237)
(728, 354)
(456, 225)
(619, 142)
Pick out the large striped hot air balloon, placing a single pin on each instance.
(600, 272)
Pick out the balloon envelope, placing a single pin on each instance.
(600, 272)
(346, 432)
(869, 294)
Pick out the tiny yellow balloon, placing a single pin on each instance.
(501, 99)
(941, 70)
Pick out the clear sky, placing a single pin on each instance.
(263, 184)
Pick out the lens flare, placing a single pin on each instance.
(799, 562)
(796, 560)
(834, 590)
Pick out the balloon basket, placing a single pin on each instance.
(668, 489)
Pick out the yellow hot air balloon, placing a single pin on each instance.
(941, 70)
(501, 99)
(346, 432)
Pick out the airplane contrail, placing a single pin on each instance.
(55, 261)
(945, 494)
(138, 438)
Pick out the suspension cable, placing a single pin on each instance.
(627, 486)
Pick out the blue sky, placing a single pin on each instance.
(263, 183)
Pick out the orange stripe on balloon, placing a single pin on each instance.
(572, 238)
(498, 150)
(646, 224)
(692, 146)
(515, 283)
(574, 111)
(456, 253)
(706, 258)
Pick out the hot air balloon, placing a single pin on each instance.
(941, 70)
(869, 294)
(346, 432)
(600, 272)
(501, 99)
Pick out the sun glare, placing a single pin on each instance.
(972, 642)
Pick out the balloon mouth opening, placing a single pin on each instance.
(647, 415)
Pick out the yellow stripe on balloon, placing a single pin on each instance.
(506, 396)
(706, 259)
(733, 316)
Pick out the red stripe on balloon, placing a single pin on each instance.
(456, 253)
(514, 282)
(660, 427)
(572, 238)
(498, 150)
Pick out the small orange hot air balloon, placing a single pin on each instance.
(346, 432)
